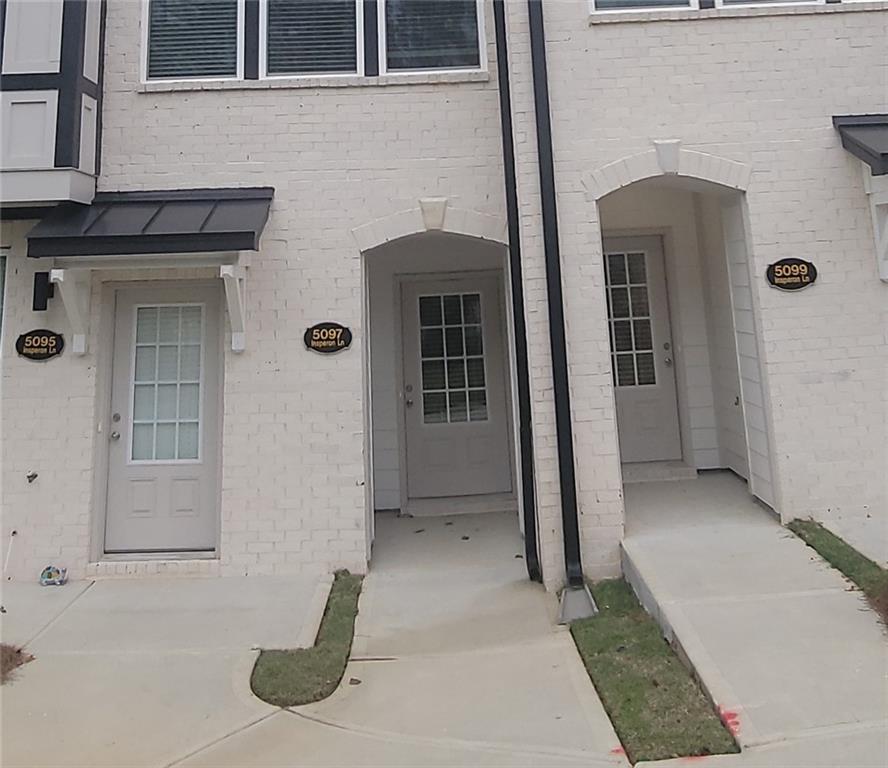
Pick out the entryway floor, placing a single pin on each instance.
(778, 637)
(456, 661)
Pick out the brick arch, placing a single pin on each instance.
(667, 158)
(431, 215)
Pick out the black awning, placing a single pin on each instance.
(171, 221)
(866, 137)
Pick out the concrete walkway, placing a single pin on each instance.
(456, 661)
(780, 640)
(142, 672)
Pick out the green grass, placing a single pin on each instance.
(304, 675)
(869, 576)
(657, 708)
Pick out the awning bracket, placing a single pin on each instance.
(234, 278)
(74, 287)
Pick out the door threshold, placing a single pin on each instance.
(462, 505)
(135, 565)
(657, 471)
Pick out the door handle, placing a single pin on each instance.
(668, 362)
(115, 435)
(408, 403)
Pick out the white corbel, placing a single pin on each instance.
(234, 277)
(74, 287)
(876, 188)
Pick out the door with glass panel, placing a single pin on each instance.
(163, 426)
(455, 402)
(641, 349)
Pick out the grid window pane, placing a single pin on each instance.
(166, 383)
(446, 369)
(478, 405)
(430, 310)
(628, 309)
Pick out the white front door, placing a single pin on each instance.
(163, 430)
(641, 349)
(456, 408)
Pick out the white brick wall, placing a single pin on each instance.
(758, 89)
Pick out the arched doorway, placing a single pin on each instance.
(684, 341)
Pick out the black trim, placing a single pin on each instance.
(100, 93)
(525, 421)
(98, 245)
(67, 149)
(48, 81)
(251, 40)
(2, 29)
(564, 432)
(371, 38)
(24, 212)
(874, 155)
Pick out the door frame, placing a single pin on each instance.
(102, 417)
(400, 279)
(679, 372)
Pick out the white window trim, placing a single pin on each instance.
(765, 4)
(130, 461)
(482, 45)
(693, 5)
(5, 252)
(263, 49)
(239, 74)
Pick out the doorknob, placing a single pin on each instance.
(668, 362)
(115, 435)
(408, 403)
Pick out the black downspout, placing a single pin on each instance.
(564, 432)
(531, 552)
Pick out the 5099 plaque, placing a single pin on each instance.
(327, 337)
(791, 274)
(40, 344)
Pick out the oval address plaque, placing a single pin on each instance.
(40, 344)
(327, 337)
(791, 274)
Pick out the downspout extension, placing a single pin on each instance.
(564, 431)
(525, 432)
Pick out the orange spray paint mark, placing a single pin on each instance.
(618, 751)
(730, 719)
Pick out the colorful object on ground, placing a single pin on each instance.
(52, 576)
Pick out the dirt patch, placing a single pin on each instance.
(11, 658)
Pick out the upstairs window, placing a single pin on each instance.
(310, 37)
(431, 34)
(193, 38)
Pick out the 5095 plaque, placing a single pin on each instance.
(40, 344)
(327, 337)
(791, 274)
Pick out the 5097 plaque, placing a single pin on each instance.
(40, 344)
(791, 274)
(327, 337)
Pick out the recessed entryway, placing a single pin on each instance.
(440, 377)
(162, 427)
(687, 375)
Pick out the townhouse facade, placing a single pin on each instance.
(272, 268)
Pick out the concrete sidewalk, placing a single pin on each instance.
(785, 646)
(142, 672)
(456, 661)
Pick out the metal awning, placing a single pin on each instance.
(158, 222)
(865, 137)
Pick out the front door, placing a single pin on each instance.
(456, 408)
(163, 430)
(641, 349)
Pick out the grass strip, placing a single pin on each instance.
(303, 675)
(869, 576)
(657, 708)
